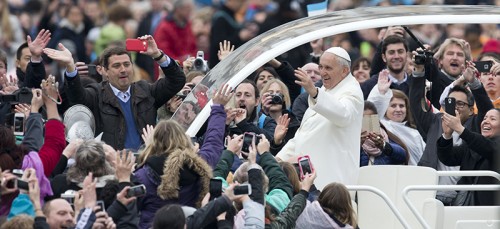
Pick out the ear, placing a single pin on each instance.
(383, 58)
(17, 63)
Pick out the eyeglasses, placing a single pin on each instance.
(460, 104)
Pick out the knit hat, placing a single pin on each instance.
(492, 45)
(340, 52)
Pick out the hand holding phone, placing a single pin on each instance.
(242, 189)
(483, 66)
(136, 45)
(305, 166)
(19, 124)
(136, 191)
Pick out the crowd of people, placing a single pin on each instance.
(277, 150)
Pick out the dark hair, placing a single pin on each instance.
(19, 51)
(292, 175)
(409, 116)
(393, 39)
(253, 115)
(358, 62)
(118, 12)
(268, 69)
(169, 216)
(470, 97)
(11, 154)
(370, 106)
(111, 51)
(493, 55)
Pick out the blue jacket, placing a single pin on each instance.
(393, 154)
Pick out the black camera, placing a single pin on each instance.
(423, 57)
(277, 98)
(23, 95)
(199, 63)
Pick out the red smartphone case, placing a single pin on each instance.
(300, 167)
(136, 45)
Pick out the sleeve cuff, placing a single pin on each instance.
(476, 84)
(419, 74)
(166, 63)
(71, 74)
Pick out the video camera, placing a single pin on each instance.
(199, 63)
(422, 57)
(23, 95)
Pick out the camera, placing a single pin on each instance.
(277, 98)
(423, 57)
(23, 95)
(199, 63)
(247, 140)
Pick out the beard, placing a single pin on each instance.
(394, 70)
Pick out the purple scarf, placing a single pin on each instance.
(32, 160)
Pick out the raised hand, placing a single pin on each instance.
(241, 114)
(265, 100)
(452, 122)
(225, 48)
(308, 181)
(152, 50)
(83, 69)
(470, 72)
(36, 46)
(390, 31)
(63, 56)
(306, 82)
(317, 46)
(252, 152)
(281, 129)
(8, 87)
(24, 108)
(89, 193)
(263, 145)
(72, 147)
(223, 95)
(234, 144)
(122, 196)
(384, 83)
(188, 64)
(495, 69)
(50, 89)
(125, 162)
(147, 134)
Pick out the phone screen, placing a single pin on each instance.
(247, 141)
(18, 124)
(92, 70)
(244, 189)
(22, 185)
(449, 105)
(306, 167)
(136, 191)
(215, 188)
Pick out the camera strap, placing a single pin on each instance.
(55, 100)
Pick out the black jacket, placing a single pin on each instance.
(145, 98)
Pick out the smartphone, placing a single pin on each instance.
(215, 188)
(92, 70)
(136, 45)
(449, 105)
(100, 203)
(305, 166)
(194, 140)
(247, 141)
(483, 66)
(243, 189)
(371, 123)
(138, 190)
(69, 196)
(19, 124)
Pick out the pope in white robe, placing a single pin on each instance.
(331, 127)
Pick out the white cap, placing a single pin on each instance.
(340, 52)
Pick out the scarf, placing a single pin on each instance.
(169, 187)
(370, 148)
(32, 160)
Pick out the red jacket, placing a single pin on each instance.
(176, 42)
(54, 144)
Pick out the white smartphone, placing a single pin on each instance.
(19, 124)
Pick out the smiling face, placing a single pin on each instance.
(119, 71)
(244, 97)
(362, 72)
(331, 71)
(397, 110)
(490, 126)
(395, 57)
(453, 57)
(60, 214)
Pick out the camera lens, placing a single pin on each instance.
(277, 99)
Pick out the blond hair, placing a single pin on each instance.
(284, 90)
(5, 23)
(452, 41)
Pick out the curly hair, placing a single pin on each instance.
(90, 157)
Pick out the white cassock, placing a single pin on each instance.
(330, 134)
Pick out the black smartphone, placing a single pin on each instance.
(449, 105)
(243, 189)
(247, 141)
(92, 70)
(101, 205)
(215, 188)
(138, 190)
(194, 140)
(484, 66)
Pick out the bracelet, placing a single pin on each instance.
(159, 57)
(317, 93)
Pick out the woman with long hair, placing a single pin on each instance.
(394, 111)
(333, 209)
(12, 35)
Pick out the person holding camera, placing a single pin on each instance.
(430, 124)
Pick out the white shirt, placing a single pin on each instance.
(123, 96)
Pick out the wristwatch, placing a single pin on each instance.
(159, 57)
